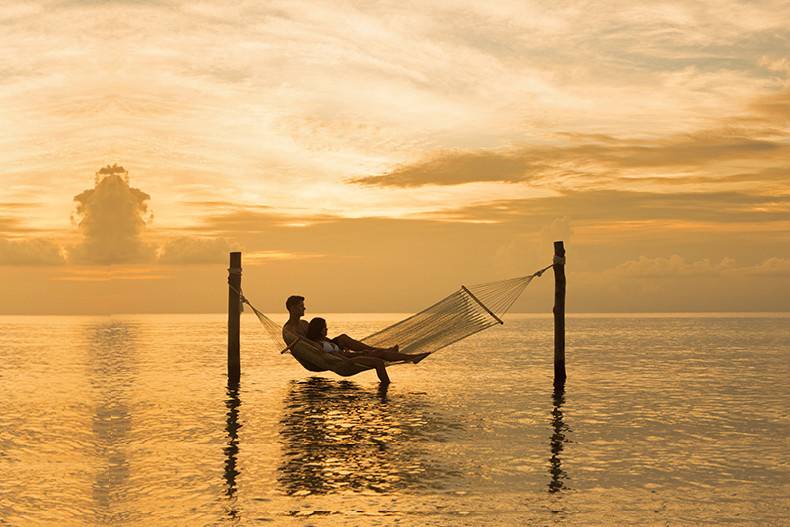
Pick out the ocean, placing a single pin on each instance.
(670, 419)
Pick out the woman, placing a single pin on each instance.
(317, 331)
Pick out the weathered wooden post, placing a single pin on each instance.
(234, 318)
(559, 314)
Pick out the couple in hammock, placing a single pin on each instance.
(343, 346)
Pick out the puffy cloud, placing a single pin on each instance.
(186, 250)
(111, 219)
(558, 229)
(30, 252)
(770, 267)
(780, 65)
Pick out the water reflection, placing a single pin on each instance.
(339, 437)
(558, 440)
(112, 374)
(232, 426)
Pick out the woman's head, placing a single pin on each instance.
(316, 329)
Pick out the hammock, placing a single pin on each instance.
(465, 312)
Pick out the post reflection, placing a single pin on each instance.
(231, 451)
(111, 348)
(339, 437)
(558, 440)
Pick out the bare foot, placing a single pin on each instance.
(417, 358)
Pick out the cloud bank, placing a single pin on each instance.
(186, 250)
(30, 252)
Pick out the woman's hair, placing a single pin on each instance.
(314, 329)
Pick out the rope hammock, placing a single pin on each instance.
(465, 312)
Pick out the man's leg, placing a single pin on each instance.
(381, 370)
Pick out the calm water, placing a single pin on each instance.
(666, 420)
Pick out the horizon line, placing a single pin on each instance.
(548, 314)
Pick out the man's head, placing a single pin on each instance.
(295, 305)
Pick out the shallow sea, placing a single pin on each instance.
(664, 420)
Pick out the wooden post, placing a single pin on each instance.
(234, 319)
(559, 314)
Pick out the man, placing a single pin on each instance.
(295, 327)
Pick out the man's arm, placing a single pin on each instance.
(291, 338)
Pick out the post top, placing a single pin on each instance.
(559, 248)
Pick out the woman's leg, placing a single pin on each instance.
(396, 356)
(389, 354)
(348, 343)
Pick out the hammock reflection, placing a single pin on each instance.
(558, 440)
(339, 437)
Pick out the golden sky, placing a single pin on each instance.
(375, 155)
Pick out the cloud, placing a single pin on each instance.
(601, 206)
(30, 252)
(770, 267)
(674, 265)
(767, 178)
(185, 250)
(755, 138)
(456, 168)
(774, 108)
(612, 206)
(558, 229)
(16, 220)
(589, 159)
(107, 274)
(8, 225)
(111, 220)
(779, 65)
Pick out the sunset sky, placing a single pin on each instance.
(373, 156)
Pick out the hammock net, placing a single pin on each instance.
(465, 312)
